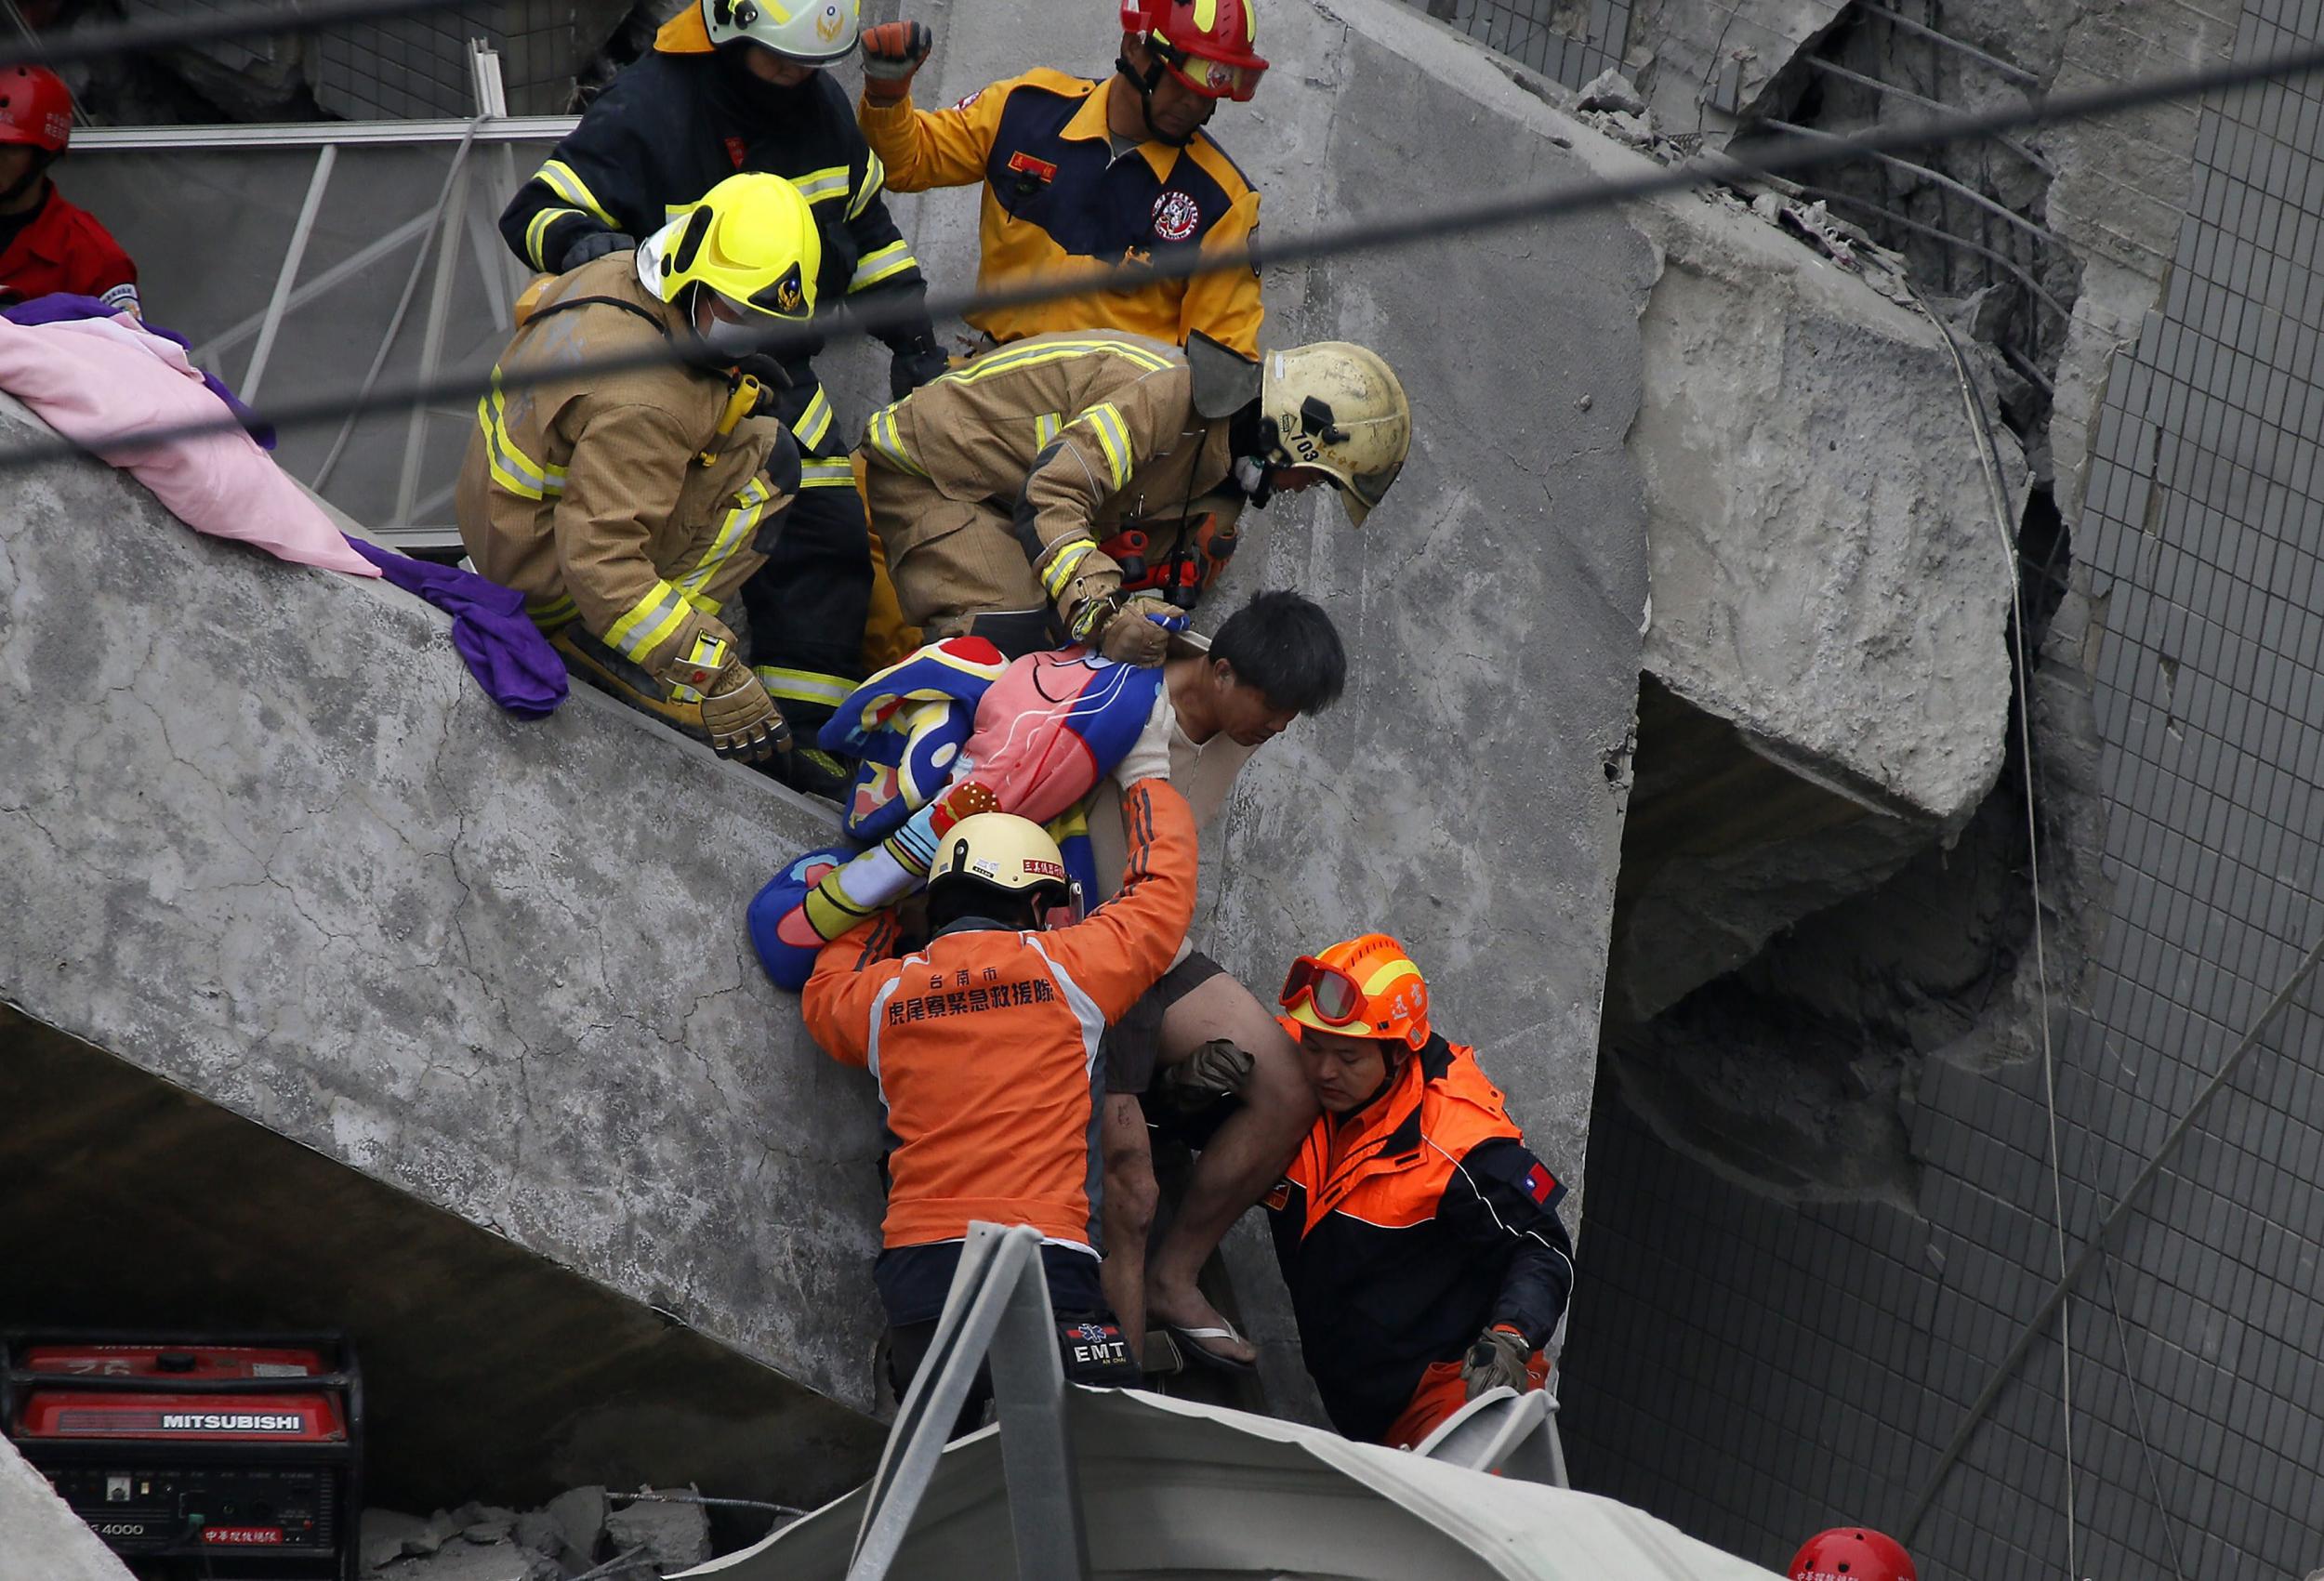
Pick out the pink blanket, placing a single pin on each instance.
(96, 377)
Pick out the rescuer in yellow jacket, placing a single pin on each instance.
(628, 507)
(1093, 172)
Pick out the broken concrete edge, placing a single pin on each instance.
(41, 1539)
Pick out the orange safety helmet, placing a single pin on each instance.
(35, 107)
(1210, 45)
(1852, 1553)
(1362, 987)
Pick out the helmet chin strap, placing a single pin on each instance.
(1146, 83)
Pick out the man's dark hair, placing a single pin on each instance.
(1283, 643)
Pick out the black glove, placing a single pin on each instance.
(593, 245)
(913, 367)
(773, 382)
(1497, 1360)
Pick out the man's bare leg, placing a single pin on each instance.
(1246, 1157)
(1131, 1197)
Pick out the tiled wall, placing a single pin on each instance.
(1755, 1371)
(1541, 32)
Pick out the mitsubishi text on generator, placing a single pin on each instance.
(223, 1458)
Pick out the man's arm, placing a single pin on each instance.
(1503, 1201)
(932, 148)
(1225, 306)
(888, 279)
(590, 197)
(848, 975)
(1122, 947)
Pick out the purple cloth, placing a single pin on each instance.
(503, 650)
(62, 307)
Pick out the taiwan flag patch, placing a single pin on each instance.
(1540, 1184)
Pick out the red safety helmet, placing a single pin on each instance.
(35, 107)
(1852, 1553)
(1210, 45)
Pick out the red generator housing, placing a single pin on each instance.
(227, 1460)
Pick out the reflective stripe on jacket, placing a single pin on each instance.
(680, 120)
(1408, 1229)
(1075, 434)
(595, 491)
(984, 1043)
(1056, 196)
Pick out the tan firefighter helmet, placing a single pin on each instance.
(1338, 408)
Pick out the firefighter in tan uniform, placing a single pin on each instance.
(1072, 485)
(629, 508)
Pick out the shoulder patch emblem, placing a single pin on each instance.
(1176, 215)
(963, 104)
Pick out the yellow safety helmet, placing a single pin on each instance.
(751, 238)
(1003, 850)
(1338, 408)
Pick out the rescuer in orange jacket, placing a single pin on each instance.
(1093, 172)
(985, 1047)
(1418, 1235)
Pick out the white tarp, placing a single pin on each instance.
(1187, 1491)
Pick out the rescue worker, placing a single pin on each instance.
(629, 508)
(732, 87)
(1198, 1029)
(985, 1047)
(1850, 1553)
(1051, 490)
(1092, 172)
(1418, 1235)
(46, 244)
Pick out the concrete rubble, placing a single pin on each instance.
(578, 1531)
(41, 1539)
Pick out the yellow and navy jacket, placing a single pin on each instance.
(682, 119)
(1408, 1228)
(1055, 196)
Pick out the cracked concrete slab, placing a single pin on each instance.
(43, 1538)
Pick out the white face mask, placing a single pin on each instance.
(730, 339)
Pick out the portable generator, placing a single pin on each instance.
(223, 1458)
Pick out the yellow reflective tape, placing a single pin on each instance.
(836, 473)
(881, 264)
(512, 468)
(734, 533)
(880, 434)
(537, 231)
(550, 613)
(652, 621)
(814, 421)
(1046, 427)
(817, 185)
(874, 177)
(1105, 420)
(562, 180)
(804, 686)
(1206, 15)
(1063, 565)
(1035, 356)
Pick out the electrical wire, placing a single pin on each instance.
(1374, 235)
(1989, 462)
(300, 16)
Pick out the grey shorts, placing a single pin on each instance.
(1133, 1045)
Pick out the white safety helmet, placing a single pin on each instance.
(814, 32)
(1337, 407)
(1013, 855)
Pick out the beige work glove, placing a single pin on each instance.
(1089, 597)
(742, 720)
(1498, 1359)
(1128, 637)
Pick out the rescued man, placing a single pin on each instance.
(630, 506)
(1093, 172)
(984, 1045)
(1418, 1235)
(729, 88)
(1275, 659)
(998, 488)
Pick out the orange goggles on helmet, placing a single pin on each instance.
(1335, 998)
(1237, 80)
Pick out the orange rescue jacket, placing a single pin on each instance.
(984, 1043)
